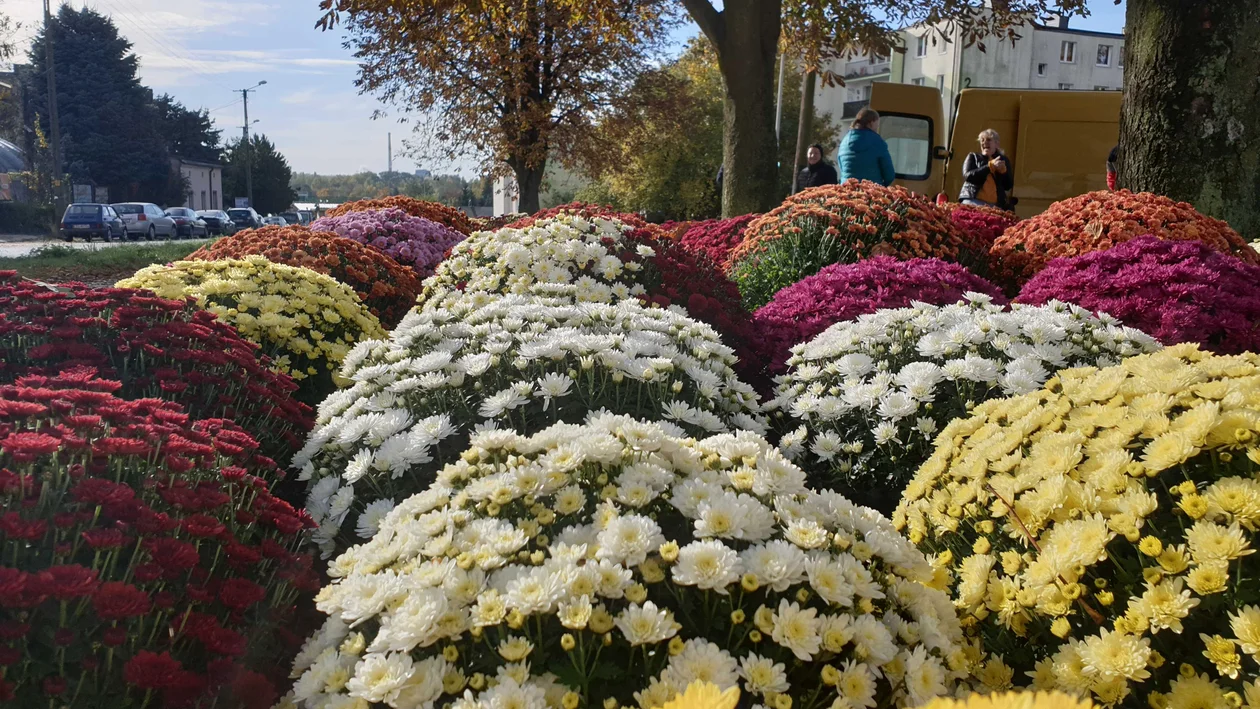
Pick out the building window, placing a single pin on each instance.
(1065, 87)
(1041, 70)
(918, 82)
(940, 82)
(214, 200)
(1104, 55)
(921, 49)
(1067, 52)
(203, 200)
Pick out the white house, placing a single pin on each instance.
(205, 183)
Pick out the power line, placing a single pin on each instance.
(127, 11)
(224, 106)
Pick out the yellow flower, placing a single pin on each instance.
(1151, 546)
(567, 642)
(515, 649)
(669, 552)
(1061, 627)
(571, 700)
(703, 695)
(1012, 700)
(1220, 652)
(1209, 578)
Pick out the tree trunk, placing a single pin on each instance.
(805, 126)
(747, 42)
(1190, 128)
(528, 184)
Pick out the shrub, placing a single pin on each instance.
(585, 211)
(143, 554)
(412, 241)
(715, 238)
(1100, 220)
(303, 320)
(617, 560)
(432, 211)
(838, 224)
(386, 288)
(1174, 291)
(168, 349)
(870, 395)
(1101, 529)
(503, 361)
(844, 291)
(983, 225)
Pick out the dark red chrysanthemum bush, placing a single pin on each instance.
(715, 238)
(143, 559)
(155, 347)
(982, 225)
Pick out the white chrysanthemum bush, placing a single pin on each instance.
(504, 361)
(863, 400)
(614, 563)
(1101, 531)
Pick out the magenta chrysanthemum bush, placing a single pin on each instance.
(411, 241)
(843, 291)
(1174, 291)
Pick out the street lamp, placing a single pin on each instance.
(249, 151)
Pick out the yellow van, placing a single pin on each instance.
(1057, 140)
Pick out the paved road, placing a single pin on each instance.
(13, 249)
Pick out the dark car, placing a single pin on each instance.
(89, 220)
(187, 223)
(218, 223)
(245, 218)
(291, 217)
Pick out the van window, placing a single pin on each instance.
(909, 141)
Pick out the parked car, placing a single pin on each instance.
(145, 219)
(245, 218)
(291, 217)
(275, 221)
(218, 223)
(187, 223)
(89, 220)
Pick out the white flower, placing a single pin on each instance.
(702, 661)
(629, 539)
(708, 565)
(762, 674)
(925, 677)
(501, 402)
(379, 678)
(646, 624)
(425, 685)
(370, 519)
(797, 630)
(358, 466)
(777, 564)
(553, 386)
(872, 642)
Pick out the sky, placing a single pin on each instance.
(199, 51)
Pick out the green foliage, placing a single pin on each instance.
(451, 190)
(25, 218)
(188, 134)
(273, 178)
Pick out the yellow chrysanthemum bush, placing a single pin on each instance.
(305, 321)
(615, 562)
(1100, 531)
(1013, 700)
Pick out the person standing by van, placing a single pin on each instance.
(863, 153)
(816, 172)
(987, 175)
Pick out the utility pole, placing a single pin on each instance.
(249, 149)
(49, 60)
(389, 146)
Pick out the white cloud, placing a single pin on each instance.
(299, 97)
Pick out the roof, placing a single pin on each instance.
(1072, 30)
(198, 163)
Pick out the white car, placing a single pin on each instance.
(145, 220)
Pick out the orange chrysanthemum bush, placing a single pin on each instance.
(386, 287)
(1100, 220)
(840, 224)
(432, 211)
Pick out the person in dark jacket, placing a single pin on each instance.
(987, 175)
(863, 153)
(816, 172)
(1113, 162)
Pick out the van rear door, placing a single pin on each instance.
(912, 121)
(1064, 139)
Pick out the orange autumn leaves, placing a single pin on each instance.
(386, 287)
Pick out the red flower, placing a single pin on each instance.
(173, 555)
(96, 491)
(104, 538)
(201, 525)
(115, 445)
(150, 670)
(69, 581)
(224, 641)
(239, 594)
(14, 527)
(116, 600)
(113, 637)
(185, 689)
(25, 447)
(148, 572)
(64, 637)
(14, 631)
(253, 690)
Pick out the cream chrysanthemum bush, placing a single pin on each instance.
(517, 361)
(1101, 530)
(863, 400)
(616, 562)
(1013, 700)
(305, 321)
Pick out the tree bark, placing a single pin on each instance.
(805, 125)
(528, 183)
(1190, 128)
(746, 36)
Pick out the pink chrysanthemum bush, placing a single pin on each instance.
(844, 291)
(412, 241)
(1175, 291)
(983, 224)
(716, 237)
(143, 560)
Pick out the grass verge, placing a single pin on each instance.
(99, 266)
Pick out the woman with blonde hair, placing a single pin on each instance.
(863, 153)
(987, 175)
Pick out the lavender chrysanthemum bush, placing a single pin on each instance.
(1175, 291)
(844, 291)
(411, 241)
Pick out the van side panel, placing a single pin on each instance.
(1064, 141)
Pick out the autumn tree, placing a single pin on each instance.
(1189, 128)
(516, 82)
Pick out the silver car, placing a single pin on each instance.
(145, 220)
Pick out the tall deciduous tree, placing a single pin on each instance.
(1190, 128)
(273, 191)
(746, 35)
(516, 80)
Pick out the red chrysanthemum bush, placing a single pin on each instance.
(844, 223)
(143, 559)
(586, 211)
(386, 287)
(981, 225)
(432, 211)
(715, 238)
(844, 291)
(1100, 220)
(168, 349)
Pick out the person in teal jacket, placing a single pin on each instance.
(863, 152)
